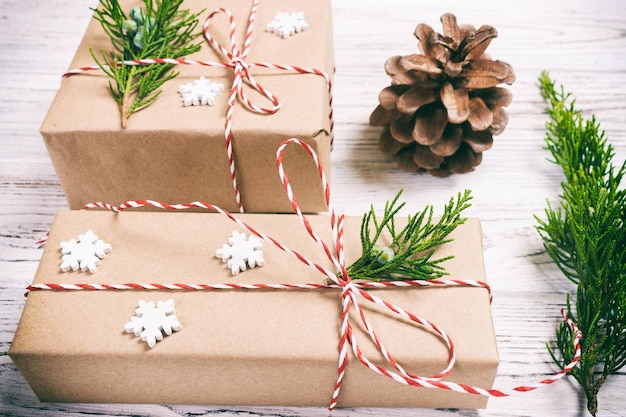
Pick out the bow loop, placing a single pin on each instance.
(234, 51)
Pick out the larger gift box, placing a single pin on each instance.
(170, 152)
(242, 347)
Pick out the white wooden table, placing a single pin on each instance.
(581, 43)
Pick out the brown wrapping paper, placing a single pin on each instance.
(254, 347)
(174, 153)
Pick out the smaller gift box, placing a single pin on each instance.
(243, 346)
(170, 152)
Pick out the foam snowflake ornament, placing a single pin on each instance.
(85, 253)
(241, 253)
(287, 24)
(150, 322)
(201, 91)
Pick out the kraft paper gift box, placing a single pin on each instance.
(174, 153)
(241, 347)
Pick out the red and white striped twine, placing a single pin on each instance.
(351, 293)
(236, 60)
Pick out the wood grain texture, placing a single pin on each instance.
(581, 43)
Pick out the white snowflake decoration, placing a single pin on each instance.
(241, 253)
(287, 24)
(201, 91)
(84, 254)
(151, 322)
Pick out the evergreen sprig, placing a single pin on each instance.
(159, 30)
(410, 254)
(586, 238)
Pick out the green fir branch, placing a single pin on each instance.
(586, 238)
(410, 256)
(158, 30)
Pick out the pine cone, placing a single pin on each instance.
(443, 106)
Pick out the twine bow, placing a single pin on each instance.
(350, 298)
(236, 59)
(351, 293)
(241, 68)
